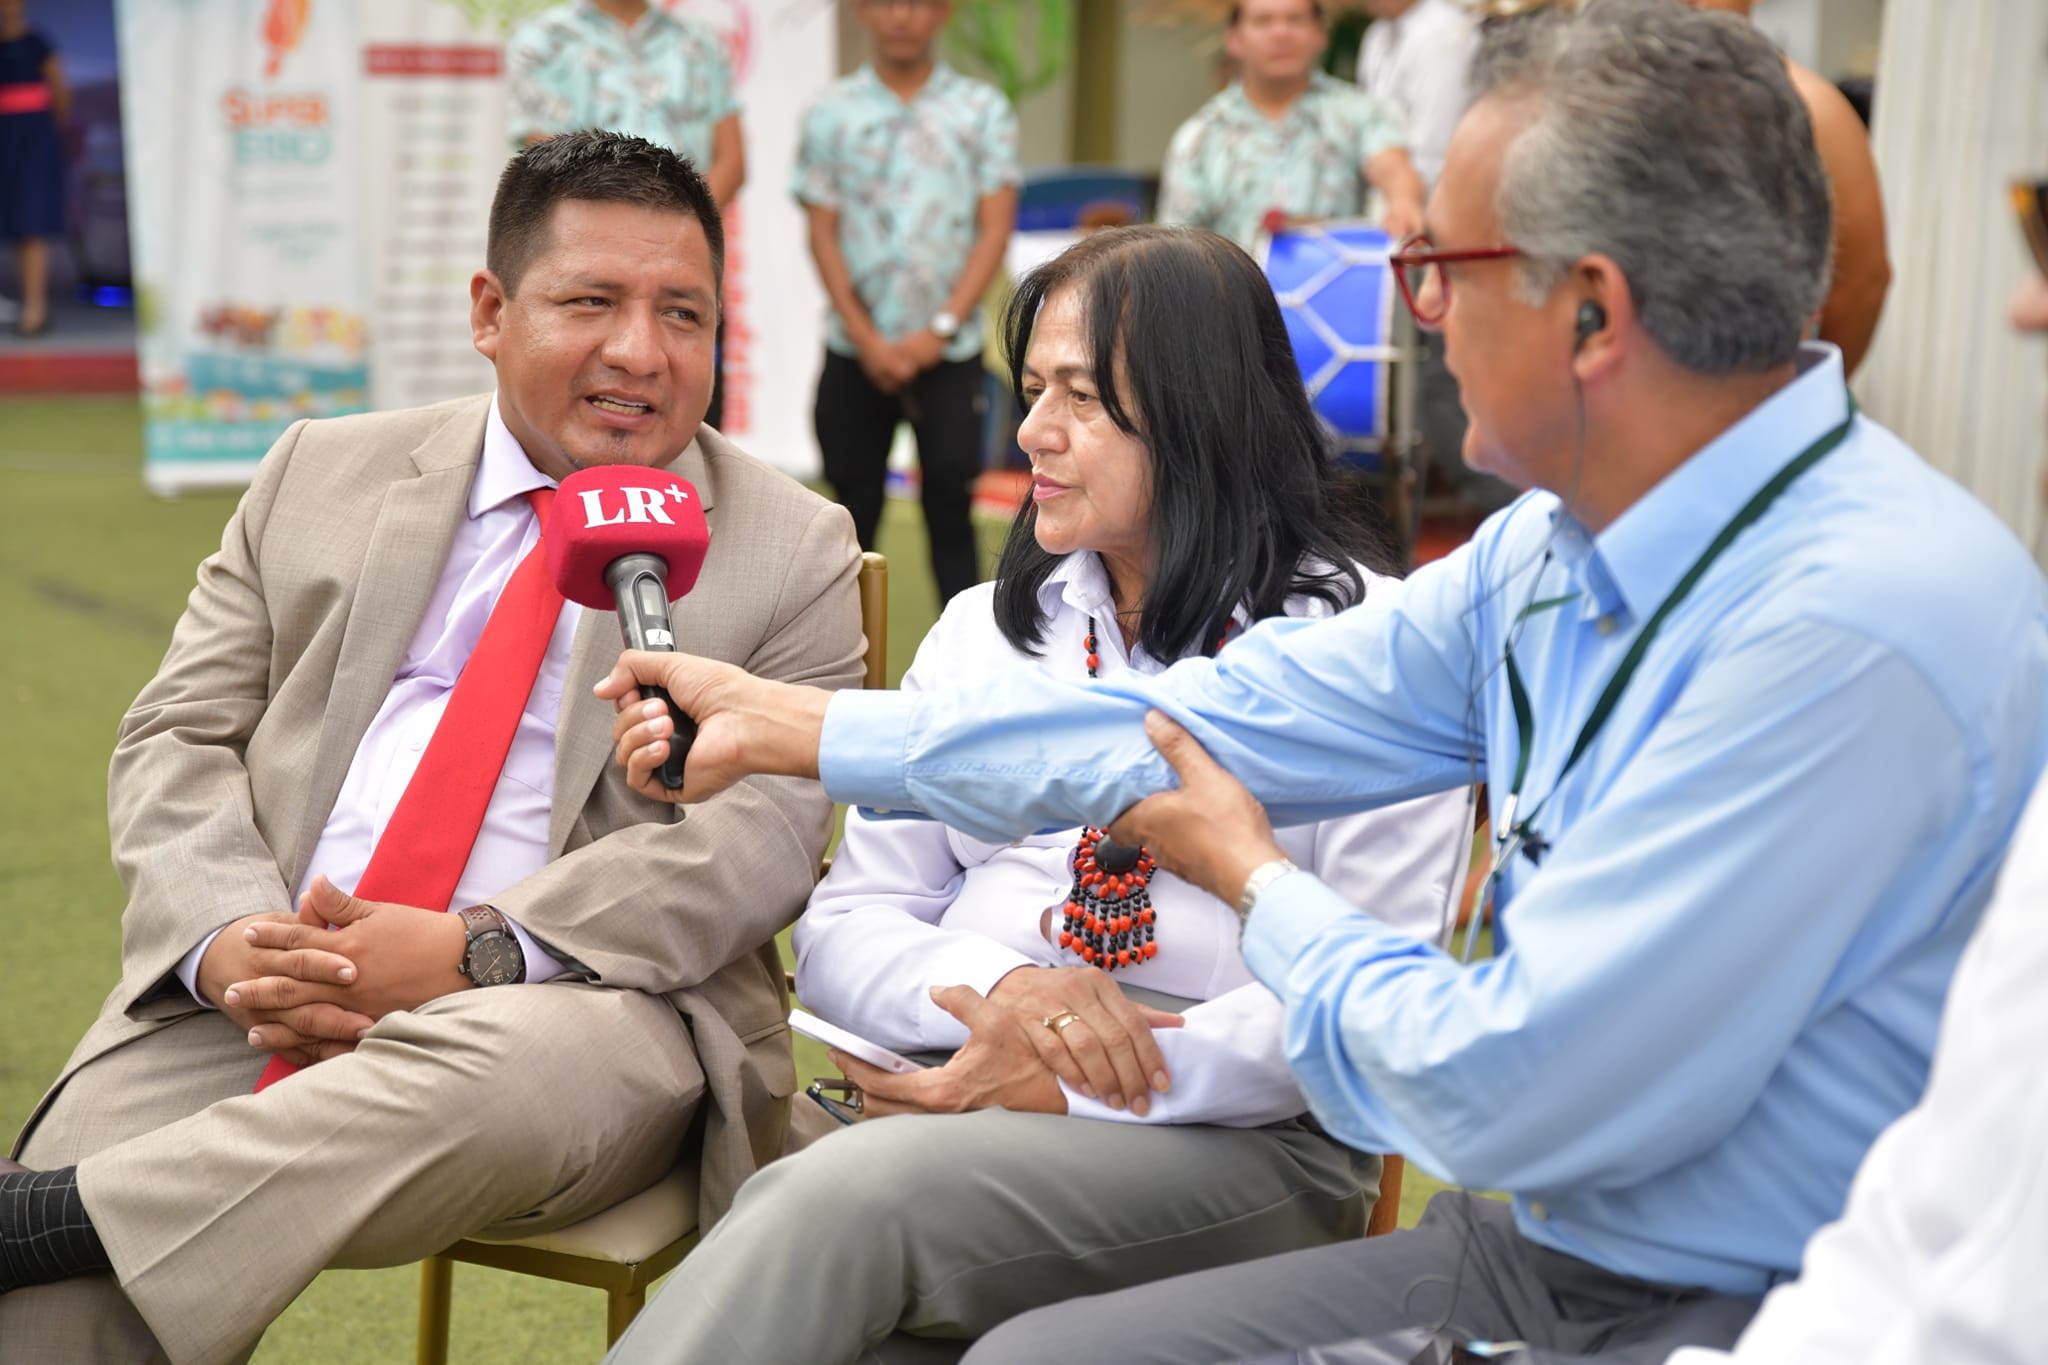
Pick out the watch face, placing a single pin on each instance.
(494, 960)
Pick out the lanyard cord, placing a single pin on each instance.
(1518, 694)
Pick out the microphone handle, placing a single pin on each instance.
(636, 581)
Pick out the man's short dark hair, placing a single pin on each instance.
(598, 167)
(1315, 7)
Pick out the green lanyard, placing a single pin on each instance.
(1518, 833)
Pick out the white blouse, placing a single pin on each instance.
(911, 904)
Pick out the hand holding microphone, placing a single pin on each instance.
(632, 539)
(747, 726)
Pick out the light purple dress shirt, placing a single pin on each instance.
(495, 535)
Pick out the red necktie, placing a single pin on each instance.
(427, 842)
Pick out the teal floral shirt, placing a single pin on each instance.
(906, 179)
(664, 79)
(1229, 165)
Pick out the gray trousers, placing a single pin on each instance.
(516, 1109)
(1464, 1274)
(945, 1225)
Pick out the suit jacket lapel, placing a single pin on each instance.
(402, 565)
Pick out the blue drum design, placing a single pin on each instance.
(1337, 293)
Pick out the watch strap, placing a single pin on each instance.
(1263, 876)
(479, 921)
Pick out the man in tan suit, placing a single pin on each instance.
(268, 751)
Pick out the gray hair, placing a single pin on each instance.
(1670, 140)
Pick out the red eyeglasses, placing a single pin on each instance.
(1417, 260)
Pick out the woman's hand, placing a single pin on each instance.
(1088, 1033)
(745, 725)
(999, 1068)
(1209, 831)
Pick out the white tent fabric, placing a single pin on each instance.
(1962, 110)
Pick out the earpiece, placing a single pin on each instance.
(1592, 317)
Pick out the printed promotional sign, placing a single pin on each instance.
(248, 264)
(783, 55)
(433, 105)
(310, 187)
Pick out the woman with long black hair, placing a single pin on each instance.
(1117, 1105)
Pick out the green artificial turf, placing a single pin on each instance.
(93, 573)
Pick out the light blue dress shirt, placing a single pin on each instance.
(907, 180)
(1725, 977)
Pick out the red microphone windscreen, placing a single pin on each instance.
(623, 509)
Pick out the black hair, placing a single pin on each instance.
(598, 167)
(1237, 13)
(1242, 487)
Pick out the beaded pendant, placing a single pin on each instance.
(1107, 920)
(1109, 917)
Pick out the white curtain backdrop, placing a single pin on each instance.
(1962, 109)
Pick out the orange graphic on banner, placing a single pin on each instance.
(737, 306)
(284, 24)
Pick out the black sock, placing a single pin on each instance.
(45, 1234)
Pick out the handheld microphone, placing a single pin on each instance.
(633, 539)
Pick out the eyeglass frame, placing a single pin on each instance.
(1407, 256)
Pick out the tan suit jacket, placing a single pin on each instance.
(231, 758)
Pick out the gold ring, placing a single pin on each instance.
(1058, 1022)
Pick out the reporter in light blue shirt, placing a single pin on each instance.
(1734, 884)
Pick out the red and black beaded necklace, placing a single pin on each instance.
(1108, 917)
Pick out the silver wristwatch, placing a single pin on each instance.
(944, 325)
(491, 955)
(1263, 876)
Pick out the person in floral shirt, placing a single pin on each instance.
(1285, 139)
(631, 67)
(908, 173)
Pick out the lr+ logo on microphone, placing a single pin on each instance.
(642, 505)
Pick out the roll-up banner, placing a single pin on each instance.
(309, 187)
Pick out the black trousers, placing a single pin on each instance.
(856, 423)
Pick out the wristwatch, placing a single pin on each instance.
(1263, 876)
(491, 955)
(944, 325)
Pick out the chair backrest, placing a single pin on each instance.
(874, 625)
(874, 617)
(1386, 1214)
